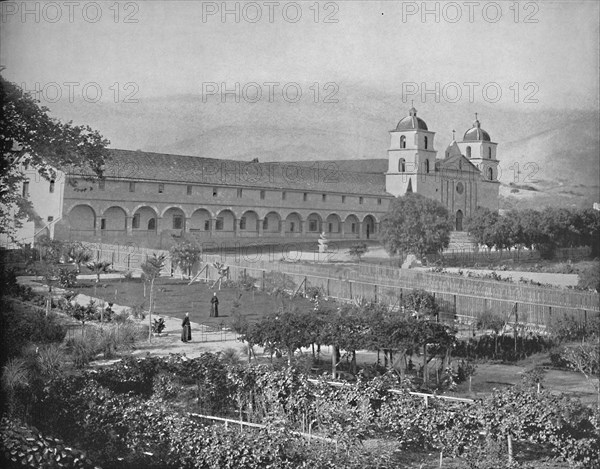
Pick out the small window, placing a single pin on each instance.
(401, 165)
(131, 186)
(177, 222)
(343, 199)
(283, 195)
(219, 224)
(330, 227)
(161, 188)
(262, 195)
(468, 152)
(490, 153)
(360, 200)
(240, 193)
(490, 174)
(189, 190)
(101, 184)
(378, 201)
(135, 223)
(305, 197)
(426, 142)
(292, 226)
(243, 223)
(103, 223)
(51, 187)
(427, 166)
(266, 224)
(312, 225)
(152, 224)
(402, 141)
(353, 228)
(215, 192)
(50, 218)
(206, 225)
(324, 197)
(25, 189)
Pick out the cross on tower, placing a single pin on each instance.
(453, 134)
(475, 116)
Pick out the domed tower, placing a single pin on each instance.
(410, 155)
(478, 147)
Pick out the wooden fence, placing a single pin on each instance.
(459, 297)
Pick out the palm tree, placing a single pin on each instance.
(99, 267)
(79, 255)
(151, 271)
(15, 379)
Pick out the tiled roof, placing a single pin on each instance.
(315, 176)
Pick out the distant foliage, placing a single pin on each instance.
(544, 230)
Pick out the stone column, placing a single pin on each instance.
(129, 225)
(259, 227)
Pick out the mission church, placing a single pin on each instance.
(155, 200)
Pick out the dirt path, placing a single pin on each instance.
(204, 339)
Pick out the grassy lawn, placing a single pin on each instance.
(175, 297)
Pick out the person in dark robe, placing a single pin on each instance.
(214, 306)
(186, 329)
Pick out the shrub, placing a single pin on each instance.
(21, 326)
(158, 325)
(67, 278)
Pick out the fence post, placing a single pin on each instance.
(375, 292)
(350, 285)
(263, 280)
(305, 279)
(454, 297)
(328, 285)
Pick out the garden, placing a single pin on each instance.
(360, 405)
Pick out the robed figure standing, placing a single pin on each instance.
(186, 329)
(214, 306)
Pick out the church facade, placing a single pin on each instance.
(154, 199)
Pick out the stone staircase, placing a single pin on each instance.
(460, 241)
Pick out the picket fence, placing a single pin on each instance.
(461, 298)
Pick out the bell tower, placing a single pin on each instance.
(411, 156)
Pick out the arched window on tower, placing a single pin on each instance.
(427, 166)
(402, 141)
(468, 152)
(401, 165)
(426, 141)
(490, 153)
(490, 174)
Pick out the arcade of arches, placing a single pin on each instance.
(149, 221)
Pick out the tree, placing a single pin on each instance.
(421, 303)
(493, 321)
(481, 226)
(185, 255)
(415, 225)
(151, 270)
(30, 138)
(358, 250)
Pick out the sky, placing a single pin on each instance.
(546, 51)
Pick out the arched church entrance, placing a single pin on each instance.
(459, 220)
